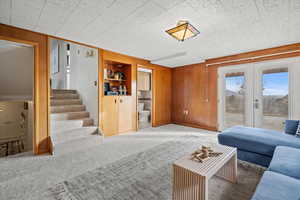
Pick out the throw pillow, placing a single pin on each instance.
(298, 131)
(291, 126)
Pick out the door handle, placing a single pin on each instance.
(115, 100)
(256, 104)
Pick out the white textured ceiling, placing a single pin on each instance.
(137, 27)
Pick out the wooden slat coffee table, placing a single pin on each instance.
(190, 178)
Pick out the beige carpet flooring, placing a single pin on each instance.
(28, 177)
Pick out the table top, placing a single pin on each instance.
(209, 166)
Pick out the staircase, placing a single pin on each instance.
(69, 119)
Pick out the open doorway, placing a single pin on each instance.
(16, 98)
(74, 91)
(144, 91)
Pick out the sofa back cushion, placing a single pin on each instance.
(291, 126)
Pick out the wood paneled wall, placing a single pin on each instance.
(162, 95)
(190, 105)
(41, 82)
(195, 86)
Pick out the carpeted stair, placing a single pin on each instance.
(69, 119)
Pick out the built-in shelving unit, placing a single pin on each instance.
(117, 78)
(117, 102)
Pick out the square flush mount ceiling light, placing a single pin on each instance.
(184, 30)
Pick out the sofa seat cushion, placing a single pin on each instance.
(286, 160)
(257, 140)
(275, 186)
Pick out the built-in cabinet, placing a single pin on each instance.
(117, 100)
(189, 96)
(117, 114)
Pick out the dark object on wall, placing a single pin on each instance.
(25, 105)
(114, 89)
(110, 73)
(120, 75)
(111, 93)
(106, 88)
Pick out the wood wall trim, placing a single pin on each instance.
(41, 82)
(71, 41)
(152, 94)
(259, 59)
(100, 87)
(263, 52)
(196, 126)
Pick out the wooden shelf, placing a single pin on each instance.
(110, 79)
(127, 95)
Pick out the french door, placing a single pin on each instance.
(235, 96)
(257, 95)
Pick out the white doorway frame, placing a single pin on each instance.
(258, 87)
(253, 72)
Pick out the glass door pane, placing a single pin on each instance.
(275, 101)
(234, 99)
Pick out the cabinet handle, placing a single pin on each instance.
(115, 100)
(185, 112)
(121, 101)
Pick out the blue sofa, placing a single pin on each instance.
(256, 145)
(280, 152)
(282, 179)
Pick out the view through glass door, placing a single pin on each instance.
(234, 97)
(271, 98)
(254, 95)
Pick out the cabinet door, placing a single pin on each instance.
(110, 115)
(125, 114)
